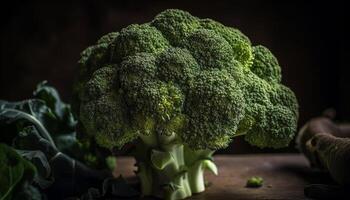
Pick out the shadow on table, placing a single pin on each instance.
(311, 176)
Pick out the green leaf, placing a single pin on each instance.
(43, 176)
(35, 107)
(30, 139)
(9, 116)
(160, 159)
(63, 128)
(37, 150)
(61, 110)
(53, 114)
(41, 129)
(15, 172)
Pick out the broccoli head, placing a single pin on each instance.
(181, 84)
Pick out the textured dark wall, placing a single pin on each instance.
(43, 40)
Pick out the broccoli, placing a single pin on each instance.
(254, 182)
(179, 88)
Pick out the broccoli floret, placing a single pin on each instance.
(101, 102)
(136, 71)
(282, 95)
(240, 44)
(265, 65)
(275, 129)
(209, 49)
(255, 182)
(108, 38)
(180, 88)
(215, 106)
(139, 38)
(177, 65)
(175, 25)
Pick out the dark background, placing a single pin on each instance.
(43, 40)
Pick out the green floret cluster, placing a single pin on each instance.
(181, 85)
(254, 182)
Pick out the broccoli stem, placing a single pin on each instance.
(196, 178)
(169, 169)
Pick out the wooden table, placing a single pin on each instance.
(285, 176)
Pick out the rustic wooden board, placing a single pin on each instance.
(285, 176)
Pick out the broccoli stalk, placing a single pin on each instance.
(181, 87)
(169, 169)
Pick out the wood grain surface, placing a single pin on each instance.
(285, 176)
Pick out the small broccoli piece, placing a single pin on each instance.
(180, 88)
(255, 182)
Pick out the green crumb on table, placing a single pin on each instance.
(111, 162)
(254, 182)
